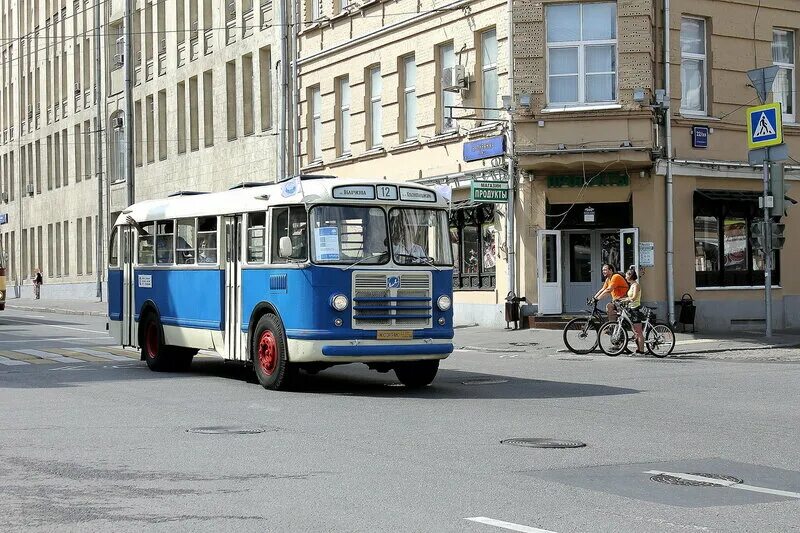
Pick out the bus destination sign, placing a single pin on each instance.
(489, 191)
(354, 192)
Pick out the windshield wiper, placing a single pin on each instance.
(379, 257)
(417, 259)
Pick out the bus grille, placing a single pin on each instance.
(376, 306)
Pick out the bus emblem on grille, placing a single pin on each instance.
(393, 282)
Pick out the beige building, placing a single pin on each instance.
(396, 89)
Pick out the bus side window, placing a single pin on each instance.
(146, 244)
(165, 239)
(280, 228)
(207, 240)
(298, 224)
(184, 246)
(256, 237)
(113, 250)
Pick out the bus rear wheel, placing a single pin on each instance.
(416, 374)
(270, 354)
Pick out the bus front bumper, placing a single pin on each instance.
(367, 351)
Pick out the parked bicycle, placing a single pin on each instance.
(613, 337)
(581, 334)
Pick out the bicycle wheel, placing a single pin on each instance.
(613, 338)
(660, 340)
(580, 335)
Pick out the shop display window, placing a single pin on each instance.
(473, 237)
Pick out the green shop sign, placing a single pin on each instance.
(489, 191)
(605, 179)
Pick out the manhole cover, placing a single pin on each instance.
(225, 430)
(484, 381)
(674, 480)
(544, 443)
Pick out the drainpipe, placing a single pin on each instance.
(283, 107)
(670, 207)
(510, 153)
(296, 88)
(99, 227)
(128, 64)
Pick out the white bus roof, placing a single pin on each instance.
(260, 197)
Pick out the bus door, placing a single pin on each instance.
(129, 329)
(233, 287)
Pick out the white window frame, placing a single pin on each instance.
(375, 109)
(697, 57)
(489, 114)
(343, 115)
(316, 9)
(410, 131)
(315, 125)
(448, 124)
(581, 46)
(790, 68)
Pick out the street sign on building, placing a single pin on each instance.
(489, 191)
(764, 126)
(699, 136)
(485, 148)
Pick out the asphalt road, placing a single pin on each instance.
(106, 445)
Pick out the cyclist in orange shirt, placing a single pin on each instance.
(616, 286)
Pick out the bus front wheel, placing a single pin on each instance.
(270, 354)
(153, 348)
(416, 374)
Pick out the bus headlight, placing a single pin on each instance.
(443, 303)
(339, 302)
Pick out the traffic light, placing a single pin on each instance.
(777, 235)
(758, 235)
(779, 190)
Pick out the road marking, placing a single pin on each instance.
(28, 323)
(729, 484)
(11, 362)
(130, 354)
(51, 356)
(95, 353)
(63, 339)
(507, 525)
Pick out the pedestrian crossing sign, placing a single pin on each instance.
(764, 126)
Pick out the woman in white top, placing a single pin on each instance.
(634, 298)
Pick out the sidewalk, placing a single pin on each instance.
(66, 307)
(495, 340)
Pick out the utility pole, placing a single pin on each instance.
(98, 156)
(128, 59)
(512, 181)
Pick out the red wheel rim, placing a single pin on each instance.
(151, 340)
(267, 353)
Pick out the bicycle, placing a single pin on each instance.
(581, 334)
(659, 338)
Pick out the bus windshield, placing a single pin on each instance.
(344, 234)
(420, 236)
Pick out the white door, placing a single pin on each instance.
(548, 259)
(233, 287)
(629, 248)
(128, 239)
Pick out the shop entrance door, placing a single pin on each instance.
(580, 269)
(548, 260)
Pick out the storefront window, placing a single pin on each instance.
(723, 255)
(474, 240)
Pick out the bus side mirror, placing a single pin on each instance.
(285, 247)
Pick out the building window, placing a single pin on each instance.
(343, 116)
(447, 95)
(315, 124)
(374, 107)
(489, 82)
(408, 115)
(581, 53)
(474, 241)
(316, 9)
(783, 86)
(723, 254)
(693, 66)
(117, 148)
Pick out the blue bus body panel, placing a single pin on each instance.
(187, 298)
(302, 299)
(115, 294)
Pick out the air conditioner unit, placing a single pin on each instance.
(117, 123)
(119, 60)
(454, 79)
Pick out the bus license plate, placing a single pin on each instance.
(395, 335)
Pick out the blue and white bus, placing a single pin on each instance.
(304, 274)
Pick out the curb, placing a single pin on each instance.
(55, 310)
